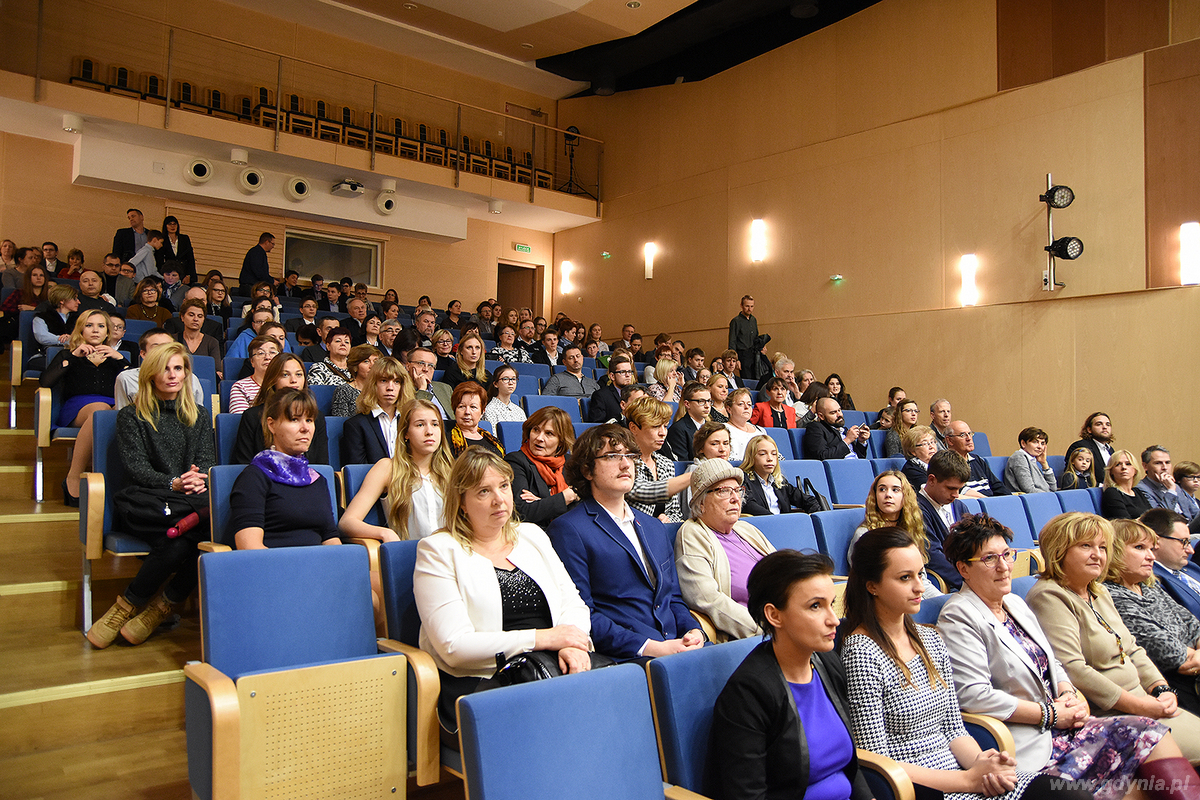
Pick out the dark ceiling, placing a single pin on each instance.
(707, 37)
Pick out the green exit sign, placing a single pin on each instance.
(522, 248)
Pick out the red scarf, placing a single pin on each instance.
(549, 468)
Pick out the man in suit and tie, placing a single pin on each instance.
(606, 401)
(1171, 555)
(621, 560)
(941, 508)
(354, 323)
(697, 402)
(308, 316)
(421, 363)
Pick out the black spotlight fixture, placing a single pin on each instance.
(1058, 196)
(1067, 248)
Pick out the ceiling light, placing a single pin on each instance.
(633, 4)
(410, 6)
(239, 156)
(565, 284)
(1058, 196)
(527, 45)
(72, 123)
(1068, 248)
(495, 207)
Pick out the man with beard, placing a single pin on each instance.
(1096, 435)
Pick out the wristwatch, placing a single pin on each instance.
(1160, 690)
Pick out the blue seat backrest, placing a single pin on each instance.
(1041, 507)
(928, 614)
(787, 531)
(221, 479)
(850, 481)
(232, 367)
(872, 417)
(882, 465)
(813, 470)
(875, 444)
(324, 397)
(1021, 586)
(854, 418)
(397, 560)
(982, 447)
(1075, 500)
(106, 458)
(1058, 464)
(285, 607)
(972, 504)
(537, 370)
(685, 691)
(333, 430)
(750, 384)
(491, 366)
(580, 427)
(672, 530)
(226, 387)
(354, 475)
(136, 327)
(510, 436)
(782, 441)
(1095, 493)
(528, 384)
(835, 529)
(555, 740)
(29, 346)
(1011, 511)
(997, 463)
(567, 404)
(205, 367)
(226, 430)
(797, 437)
(682, 467)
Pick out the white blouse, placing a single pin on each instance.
(498, 411)
(425, 513)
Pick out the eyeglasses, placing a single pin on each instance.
(967, 435)
(622, 372)
(704, 402)
(508, 379)
(728, 492)
(1191, 477)
(421, 365)
(616, 458)
(992, 560)
(1184, 542)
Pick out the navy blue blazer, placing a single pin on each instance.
(605, 405)
(362, 440)
(1180, 592)
(936, 532)
(627, 607)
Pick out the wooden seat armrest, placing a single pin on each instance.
(43, 401)
(93, 484)
(17, 359)
(848, 505)
(213, 547)
(226, 726)
(426, 751)
(892, 772)
(938, 580)
(372, 546)
(680, 793)
(706, 624)
(995, 728)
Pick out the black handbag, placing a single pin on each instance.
(536, 665)
(149, 513)
(812, 501)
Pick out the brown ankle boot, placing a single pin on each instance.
(104, 631)
(138, 629)
(1170, 779)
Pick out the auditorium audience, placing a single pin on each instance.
(467, 402)
(1096, 436)
(774, 412)
(1180, 579)
(1005, 667)
(837, 390)
(286, 371)
(892, 503)
(983, 482)
(741, 429)
(334, 369)
(766, 490)
(262, 350)
(197, 342)
(218, 301)
(718, 392)
(656, 487)
(907, 412)
(693, 413)
(92, 295)
(571, 382)
(826, 438)
(808, 399)
(920, 445)
(1078, 471)
(540, 490)
(1120, 498)
(443, 347)
(31, 294)
(939, 419)
(1159, 487)
(506, 346)
(1101, 657)
(166, 444)
(500, 407)
(896, 395)
(370, 434)
(606, 400)
(941, 508)
(1027, 469)
(546, 350)
(668, 381)
(358, 363)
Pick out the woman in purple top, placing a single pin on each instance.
(781, 724)
(714, 552)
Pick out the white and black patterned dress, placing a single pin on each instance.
(910, 723)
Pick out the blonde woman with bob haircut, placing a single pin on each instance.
(483, 569)
(412, 481)
(1100, 655)
(1120, 498)
(668, 381)
(166, 444)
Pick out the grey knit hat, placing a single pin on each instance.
(709, 473)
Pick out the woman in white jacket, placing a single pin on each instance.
(487, 585)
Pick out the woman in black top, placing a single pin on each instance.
(781, 725)
(1120, 500)
(218, 301)
(540, 490)
(279, 501)
(88, 371)
(286, 371)
(837, 390)
(176, 247)
(166, 442)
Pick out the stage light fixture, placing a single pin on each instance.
(1067, 248)
(1058, 196)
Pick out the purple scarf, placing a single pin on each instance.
(285, 469)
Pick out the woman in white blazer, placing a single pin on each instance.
(485, 584)
(1005, 667)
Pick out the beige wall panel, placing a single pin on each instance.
(1185, 20)
(1136, 27)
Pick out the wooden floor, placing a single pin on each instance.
(76, 722)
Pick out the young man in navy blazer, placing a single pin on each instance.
(621, 560)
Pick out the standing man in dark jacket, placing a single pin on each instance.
(255, 268)
(743, 331)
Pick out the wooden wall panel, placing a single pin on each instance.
(1024, 48)
(1136, 27)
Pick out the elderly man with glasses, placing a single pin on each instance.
(983, 483)
(421, 363)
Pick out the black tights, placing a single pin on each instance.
(167, 556)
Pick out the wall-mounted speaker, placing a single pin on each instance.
(250, 180)
(298, 189)
(199, 171)
(385, 202)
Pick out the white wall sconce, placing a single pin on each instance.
(72, 123)
(650, 251)
(495, 206)
(758, 241)
(1189, 254)
(239, 156)
(564, 285)
(968, 265)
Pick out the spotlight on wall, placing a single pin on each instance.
(968, 265)
(1058, 196)
(758, 241)
(199, 171)
(385, 203)
(297, 189)
(1189, 254)
(250, 180)
(72, 123)
(649, 251)
(1067, 248)
(495, 206)
(239, 156)
(564, 285)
